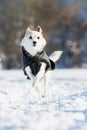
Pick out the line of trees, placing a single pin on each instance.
(59, 24)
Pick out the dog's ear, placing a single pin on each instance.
(27, 30)
(39, 29)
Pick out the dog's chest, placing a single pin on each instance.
(34, 65)
(34, 62)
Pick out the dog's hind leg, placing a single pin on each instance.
(46, 80)
(55, 55)
(41, 87)
(45, 86)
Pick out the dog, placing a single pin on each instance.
(35, 60)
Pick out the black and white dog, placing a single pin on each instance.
(36, 62)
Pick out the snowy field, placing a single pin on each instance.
(64, 108)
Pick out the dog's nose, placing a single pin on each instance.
(34, 42)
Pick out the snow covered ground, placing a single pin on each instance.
(64, 108)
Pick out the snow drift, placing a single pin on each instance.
(64, 108)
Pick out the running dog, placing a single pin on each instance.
(36, 62)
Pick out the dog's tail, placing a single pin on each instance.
(55, 55)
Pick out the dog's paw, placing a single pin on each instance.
(44, 95)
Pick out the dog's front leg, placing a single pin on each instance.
(29, 73)
(39, 75)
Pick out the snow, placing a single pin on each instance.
(64, 107)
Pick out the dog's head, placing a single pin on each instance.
(33, 41)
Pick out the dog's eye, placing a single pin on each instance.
(38, 37)
(30, 37)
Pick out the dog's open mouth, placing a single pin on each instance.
(34, 45)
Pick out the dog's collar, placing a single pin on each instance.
(29, 55)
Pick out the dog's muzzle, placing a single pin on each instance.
(34, 43)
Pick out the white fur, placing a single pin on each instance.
(29, 73)
(27, 43)
(56, 55)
